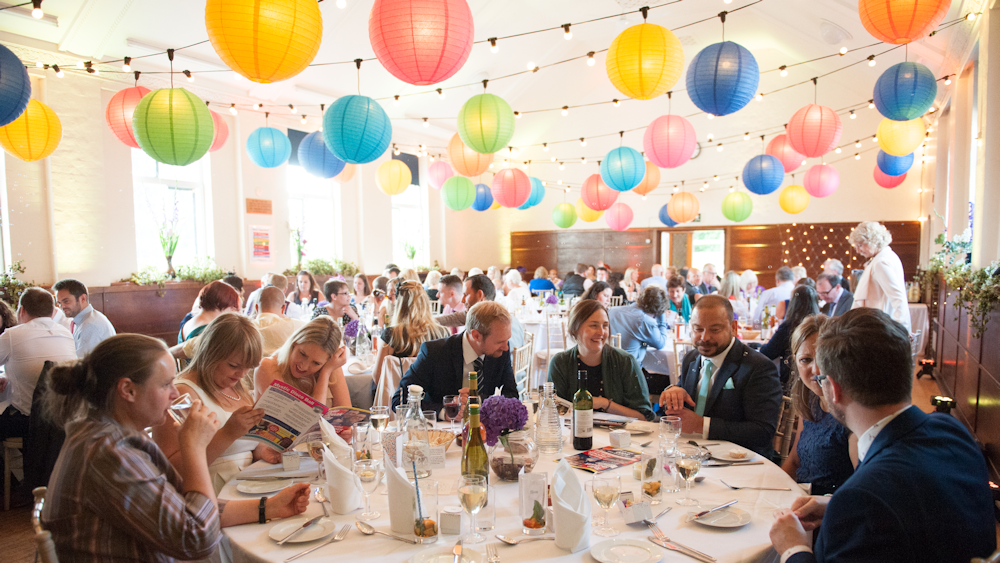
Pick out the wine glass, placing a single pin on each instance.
(452, 409)
(688, 464)
(607, 489)
(379, 420)
(368, 472)
(472, 495)
(316, 452)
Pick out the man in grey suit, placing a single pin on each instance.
(836, 299)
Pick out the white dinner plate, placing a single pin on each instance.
(259, 487)
(722, 453)
(731, 517)
(322, 527)
(626, 551)
(445, 555)
(639, 428)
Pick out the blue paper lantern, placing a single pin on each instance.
(15, 88)
(763, 174)
(356, 129)
(894, 165)
(267, 147)
(537, 193)
(623, 169)
(722, 78)
(665, 217)
(905, 91)
(484, 198)
(316, 158)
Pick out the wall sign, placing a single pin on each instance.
(260, 243)
(259, 206)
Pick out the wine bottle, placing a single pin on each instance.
(473, 386)
(583, 414)
(474, 458)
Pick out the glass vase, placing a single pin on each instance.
(512, 453)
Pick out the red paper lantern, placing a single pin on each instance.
(596, 194)
(511, 187)
(901, 21)
(619, 216)
(421, 41)
(780, 148)
(439, 172)
(221, 132)
(669, 141)
(887, 181)
(814, 130)
(119, 113)
(821, 180)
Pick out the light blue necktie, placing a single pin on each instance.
(707, 369)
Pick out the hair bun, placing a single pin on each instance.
(71, 377)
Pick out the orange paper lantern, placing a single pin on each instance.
(466, 161)
(683, 207)
(346, 174)
(34, 135)
(650, 181)
(901, 21)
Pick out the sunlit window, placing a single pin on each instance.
(409, 227)
(314, 209)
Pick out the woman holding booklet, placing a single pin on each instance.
(311, 360)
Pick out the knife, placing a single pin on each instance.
(298, 530)
(704, 513)
(457, 550)
(672, 547)
(268, 478)
(731, 464)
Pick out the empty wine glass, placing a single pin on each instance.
(452, 409)
(688, 464)
(472, 495)
(607, 489)
(368, 472)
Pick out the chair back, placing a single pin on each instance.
(788, 423)
(995, 558)
(44, 439)
(393, 369)
(915, 344)
(521, 359)
(435, 307)
(555, 330)
(45, 547)
(616, 340)
(617, 300)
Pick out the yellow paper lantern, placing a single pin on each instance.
(265, 40)
(900, 138)
(466, 161)
(794, 199)
(33, 135)
(585, 213)
(394, 177)
(650, 181)
(346, 174)
(645, 61)
(683, 207)
(496, 205)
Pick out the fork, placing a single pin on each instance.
(755, 488)
(491, 553)
(340, 535)
(663, 537)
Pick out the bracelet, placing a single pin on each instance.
(263, 505)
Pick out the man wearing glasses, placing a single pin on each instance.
(836, 299)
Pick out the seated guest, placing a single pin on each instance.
(573, 284)
(410, 274)
(643, 324)
(480, 288)
(380, 287)
(24, 349)
(476, 272)
(227, 351)
(431, 284)
(748, 285)
(677, 300)
(339, 306)
(799, 272)
(783, 290)
(692, 282)
(311, 361)
(553, 277)
(779, 312)
(589, 277)
(385, 310)
(913, 465)
(304, 298)
(709, 280)
(835, 268)
(442, 366)
(90, 326)
(613, 375)
(726, 391)
(825, 452)
(516, 290)
(450, 294)
(730, 289)
(114, 495)
(275, 328)
(836, 299)
(458, 272)
(7, 316)
(656, 277)
(630, 283)
(602, 273)
(615, 281)
(599, 291)
(236, 282)
(277, 280)
(362, 291)
(496, 276)
(412, 325)
(779, 346)
(391, 271)
(541, 281)
(213, 300)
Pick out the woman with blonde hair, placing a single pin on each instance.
(431, 284)
(541, 281)
(883, 285)
(311, 361)
(412, 325)
(730, 289)
(409, 274)
(630, 283)
(496, 276)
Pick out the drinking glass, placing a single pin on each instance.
(452, 409)
(472, 495)
(652, 478)
(607, 488)
(180, 407)
(368, 472)
(688, 464)
(315, 449)
(533, 491)
(379, 420)
(361, 440)
(425, 511)
(670, 429)
(431, 418)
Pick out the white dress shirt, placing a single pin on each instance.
(91, 328)
(883, 287)
(773, 296)
(717, 361)
(276, 329)
(24, 350)
(468, 357)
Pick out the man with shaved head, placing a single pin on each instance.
(274, 326)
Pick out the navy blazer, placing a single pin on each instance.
(844, 305)
(746, 414)
(920, 495)
(438, 369)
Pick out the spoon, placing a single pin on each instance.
(322, 500)
(512, 541)
(367, 529)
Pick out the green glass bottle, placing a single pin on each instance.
(474, 458)
(583, 415)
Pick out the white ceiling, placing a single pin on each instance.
(777, 32)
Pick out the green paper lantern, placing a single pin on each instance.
(458, 192)
(737, 206)
(564, 215)
(173, 126)
(486, 123)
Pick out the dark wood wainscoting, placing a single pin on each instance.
(563, 250)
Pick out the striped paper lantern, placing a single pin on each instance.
(421, 42)
(119, 113)
(596, 194)
(814, 130)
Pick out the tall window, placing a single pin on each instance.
(314, 210)
(171, 199)
(682, 249)
(409, 227)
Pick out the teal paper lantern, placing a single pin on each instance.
(173, 126)
(316, 158)
(763, 174)
(268, 148)
(564, 215)
(623, 169)
(905, 91)
(484, 198)
(15, 88)
(737, 206)
(356, 129)
(537, 193)
(722, 78)
(485, 123)
(458, 193)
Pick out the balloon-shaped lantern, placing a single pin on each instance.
(347, 174)
(585, 213)
(484, 198)
(665, 217)
(458, 193)
(596, 194)
(466, 161)
(496, 204)
(511, 187)
(821, 180)
(814, 130)
(486, 123)
(894, 165)
(650, 181)
(645, 61)
(33, 135)
(669, 141)
(782, 149)
(356, 129)
(564, 215)
(619, 217)
(421, 42)
(537, 194)
(736, 206)
(265, 40)
(268, 148)
(683, 207)
(393, 177)
(901, 21)
(722, 78)
(763, 174)
(221, 131)
(905, 91)
(173, 126)
(887, 181)
(900, 138)
(794, 199)
(316, 158)
(15, 88)
(623, 168)
(119, 112)
(438, 173)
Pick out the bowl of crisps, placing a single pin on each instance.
(440, 438)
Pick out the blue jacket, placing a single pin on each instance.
(638, 330)
(920, 496)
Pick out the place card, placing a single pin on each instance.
(437, 457)
(634, 512)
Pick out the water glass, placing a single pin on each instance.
(180, 407)
(669, 463)
(486, 520)
(431, 417)
(670, 430)
(425, 511)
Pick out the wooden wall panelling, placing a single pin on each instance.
(951, 315)
(966, 390)
(140, 310)
(988, 420)
(756, 248)
(946, 369)
(576, 247)
(991, 352)
(973, 344)
(630, 249)
(532, 249)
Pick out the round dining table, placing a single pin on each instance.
(749, 543)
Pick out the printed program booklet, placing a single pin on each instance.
(604, 459)
(291, 417)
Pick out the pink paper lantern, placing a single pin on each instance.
(439, 172)
(669, 141)
(821, 180)
(221, 132)
(511, 187)
(421, 41)
(814, 130)
(887, 181)
(780, 148)
(618, 216)
(596, 194)
(119, 113)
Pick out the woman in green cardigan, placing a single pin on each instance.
(613, 375)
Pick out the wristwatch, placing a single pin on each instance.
(262, 508)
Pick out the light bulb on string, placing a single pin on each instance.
(947, 80)
(562, 166)
(567, 34)
(583, 159)
(784, 70)
(565, 111)
(517, 114)
(232, 109)
(36, 9)
(59, 72)
(127, 64)
(395, 100)
(853, 115)
(341, 4)
(857, 144)
(258, 105)
(857, 156)
(719, 147)
(188, 74)
(427, 123)
(80, 65)
(616, 102)
(583, 142)
(493, 45)
(837, 150)
(871, 104)
(871, 60)
(440, 92)
(843, 51)
(303, 120)
(545, 147)
(590, 59)
(716, 177)
(531, 65)
(759, 96)
(710, 116)
(874, 138)
(746, 136)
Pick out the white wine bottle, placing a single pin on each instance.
(474, 458)
(583, 415)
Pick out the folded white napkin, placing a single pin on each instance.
(340, 449)
(344, 491)
(402, 497)
(570, 510)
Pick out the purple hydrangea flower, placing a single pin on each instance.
(352, 328)
(552, 299)
(501, 416)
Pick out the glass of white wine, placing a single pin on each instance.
(472, 495)
(315, 449)
(379, 420)
(688, 464)
(607, 489)
(369, 474)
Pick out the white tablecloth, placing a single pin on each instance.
(250, 542)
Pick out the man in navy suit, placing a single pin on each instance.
(442, 367)
(726, 390)
(836, 299)
(920, 491)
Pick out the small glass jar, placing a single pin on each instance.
(426, 526)
(533, 491)
(519, 452)
(652, 478)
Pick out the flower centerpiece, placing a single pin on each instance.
(351, 332)
(300, 246)
(512, 449)
(169, 237)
